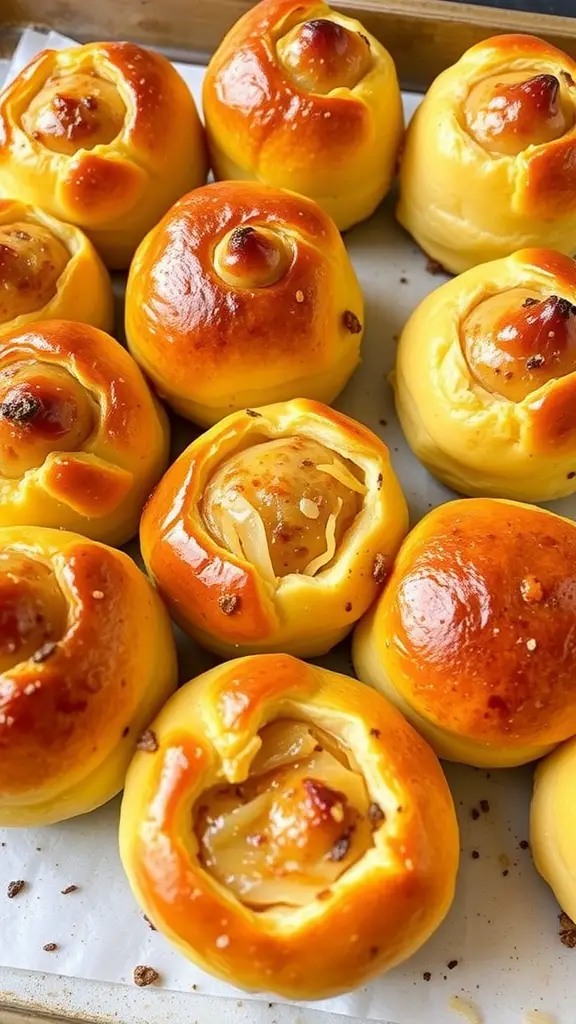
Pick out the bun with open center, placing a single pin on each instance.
(241, 296)
(49, 270)
(288, 816)
(485, 378)
(553, 827)
(105, 136)
(301, 97)
(474, 637)
(86, 660)
(489, 164)
(82, 439)
(275, 529)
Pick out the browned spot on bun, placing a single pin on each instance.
(506, 113)
(322, 54)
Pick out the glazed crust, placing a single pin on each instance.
(465, 205)
(200, 580)
(70, 714)
(213, 345)
(474, 440)
(334, 147)
(117, 191)
(98, 484)
(552, 825)
(474, 635)
(378, 913)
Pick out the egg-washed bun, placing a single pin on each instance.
(105, 136)
(485, 378)
(87, 659)
(474, 637)
(489, 164)
(82, 439)
(299, 96)
(49, 271)
(287, 830)
(243, 295)
(274, 530)
(553, 825)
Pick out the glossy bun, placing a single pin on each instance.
(474, 638)
(82, 439)
(105, 136)
(553, 825)
(274, 530)
(287, 816)
(485, 378)
(301, 97)
(241, 296)
(49, 270)
(489, 164)
(86, 660)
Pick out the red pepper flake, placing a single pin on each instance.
(50, 947)
(351, 322)
(229, 603)
(148, 742)
(14, 888)
(379, 569)
(69, 889)
(144, 976)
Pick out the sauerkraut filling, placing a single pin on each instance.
(294, 826)
(284, 505)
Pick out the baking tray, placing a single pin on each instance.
(423, 39)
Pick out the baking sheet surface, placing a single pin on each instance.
(501, 937)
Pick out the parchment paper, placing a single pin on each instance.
(502, 929)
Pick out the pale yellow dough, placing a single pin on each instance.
(553, 824)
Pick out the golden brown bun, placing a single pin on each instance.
(489, 164)
(301, 97)
(105, 136)
(474, 638)
(49, 270)
(553, 824)
(86, 659)
(485, 378)
(82, 439)
(241, 296)
(361, 832)
(274, 530)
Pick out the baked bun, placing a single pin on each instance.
(553, 825)
(86, 659)
(243, 295)
(82, 439)
(274, 530)
(474, 637)
(49, 270)
(485, 378)
(489, 164)
(299, 96)
(287, 816)
(105, 136)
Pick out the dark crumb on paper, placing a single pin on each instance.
(252, 412)
(14, 888)
(376, 814)
(452, 964)
(229, 603)
(505, 873)
(148, 742)
(403, 279)
(484, 806)
(529, 302)
(379, 568)
(69, 889)
(348, 606)
(383, 423)
(270, 1006)
(324, 894)
(194, 987)
(351, 322)
(375, 732)
(567, 931)
(535, 362)
(524, 844)
(434, 267)
(50, 947)
(427, 976)
(475, 813)
(475, 855)
(43, 653)
(151, 926)
(144, 976)
(379, 481)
